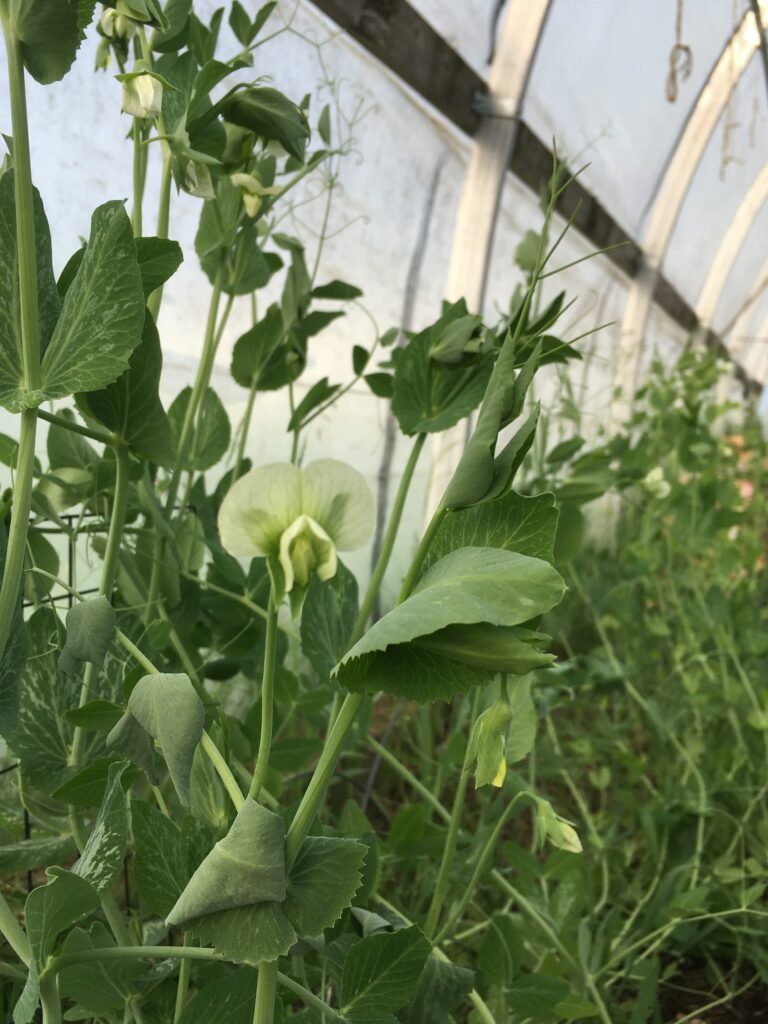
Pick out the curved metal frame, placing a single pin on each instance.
(481, 194)
(668, 201)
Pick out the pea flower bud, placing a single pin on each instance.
(298, 519)
(115, 25)
(142, 95)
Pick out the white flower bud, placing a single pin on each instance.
(142, 96)
(115, 25)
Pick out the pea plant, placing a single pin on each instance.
(187, 743)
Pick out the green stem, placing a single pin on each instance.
(138, 179)
(94, 433)
(50, 1000)
(245, 427)
(14, 934)
(30, 333)
(107, 582)
(267, 700)
(480, 867)
(163, 220)
(389, 540)
(182, 985)
(266, 990)
(449, 850)
(413, 573)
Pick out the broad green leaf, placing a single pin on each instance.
(260, 358)
(102, 315)
(514, 522)
(66, 448)
(160, 858)
(131, 406)
(270, 114)
(98, 985)
(96, 715)
(336, 290)
(440, 987)
(158, 259)
(102, 859)
(491, 648)
(430, 396)
(327, 617)
(212, 436)
(53, 908)
(574, 1007)
(536, 995)
(246, 867)
(167, 706)
(469, 585)
(86, 788)
(43, 736)
(319, 393)
(502, 951)
(251, 935)
(228, 1000)
(90, 628)
(524, 720)
(40, 554)
(130, 740)
(322, 882)
(48, 303)
(35, 853)
(381, 972)
(49, 35)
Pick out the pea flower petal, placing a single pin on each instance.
(337, 497)
(258, 508)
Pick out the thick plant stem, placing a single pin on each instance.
(14, 934)
(30, 334)
(449, 850)
(389, 539)
(17, 534)
(49, 1000)
(266, 989)
(267, 700)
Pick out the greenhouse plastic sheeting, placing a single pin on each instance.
(597, 86)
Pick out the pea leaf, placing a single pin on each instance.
(52, 908)
(98, 985)
(536, 995)
(160, 859)
(131, 406)
(227, 999)
(322, 882)
(336, 290)
(49, 35)
(86, 788)
(440, 987)
(260, 357)
(381, 972)
(469, 585)
(102, 315)
(12, 395)
(246, 867)
(213, 434)
(168, 708)
(267, 112)
(102, 858)
(248, 935)
(514, 522)
(29, 854)
(90, 628)
(327, 617)
(43, 736)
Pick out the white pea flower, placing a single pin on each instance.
(298, 519)
(115, 25)
(655, 483)
(252, 191)
(557, 830)
(142, 96)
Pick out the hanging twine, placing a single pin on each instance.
(680, 58)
